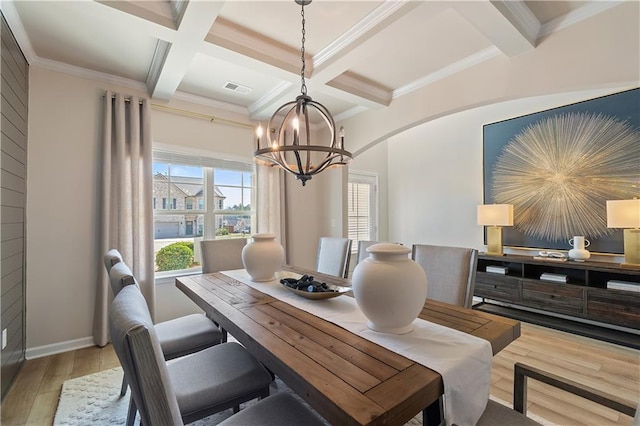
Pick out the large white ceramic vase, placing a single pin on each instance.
(263, 257)
(390, 289)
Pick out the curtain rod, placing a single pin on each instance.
(211, 118)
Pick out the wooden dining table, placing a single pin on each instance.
(346, 378)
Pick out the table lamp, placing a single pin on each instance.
(494, 217)
(625, 214)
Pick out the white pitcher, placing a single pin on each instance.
(579, 251)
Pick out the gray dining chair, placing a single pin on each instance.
(363, 245)
(281, 409)
(222, 255)
(112, 257)
(333, 256)
(497, 414)
(187, 388)
(451, 272)
(178, 337)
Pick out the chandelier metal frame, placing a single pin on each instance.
(291, 134)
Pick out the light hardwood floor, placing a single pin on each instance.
(33, 398)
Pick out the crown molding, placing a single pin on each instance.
(159, 57)
(269, 98)
(447, 71)
(585, 12)
(521, 17)
(350, 113)
(362, 87)
(208, 102)
(246, 42)
(380, 14)
(52, 65)
(133, 84)
(13, 19)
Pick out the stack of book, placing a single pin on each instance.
(623, 285)
(497, 269)
(558, 278)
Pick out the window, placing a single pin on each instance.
(361, 208)
(209, 198)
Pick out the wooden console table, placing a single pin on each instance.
(586, 295)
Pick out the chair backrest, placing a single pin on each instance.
(121, 276)
(136, 344)
(451, 272)
(333, 256)
(222, 255)
(112, 257)
(362, 249)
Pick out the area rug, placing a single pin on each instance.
(95, 400)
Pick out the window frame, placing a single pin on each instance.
(371, 179)
(210, 211)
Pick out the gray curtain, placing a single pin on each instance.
(272, 210)
(126, 219)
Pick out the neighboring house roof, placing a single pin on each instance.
(190, 187)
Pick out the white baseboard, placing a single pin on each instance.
(56, 348)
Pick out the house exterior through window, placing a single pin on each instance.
(210, 198)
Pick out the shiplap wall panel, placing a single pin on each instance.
(11, 181)
(14, 87)
(12, 133)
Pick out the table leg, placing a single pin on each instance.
(433, 415)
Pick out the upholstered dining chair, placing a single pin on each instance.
(333, 256)
(363, 245)
(178, 337)
(222, 255)
(451, 272)
(187, 388)
(497, 414)
(112, 257)
(281, 409)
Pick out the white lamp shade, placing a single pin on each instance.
(495, 214)
(623, 213)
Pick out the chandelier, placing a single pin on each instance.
(294, 130)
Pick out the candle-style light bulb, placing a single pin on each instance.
(296, 126)
(259, 134)
(341, 134)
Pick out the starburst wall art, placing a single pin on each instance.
(559, 167)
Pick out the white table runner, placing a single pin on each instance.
(464, 361)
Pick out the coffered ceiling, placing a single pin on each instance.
(360, 54)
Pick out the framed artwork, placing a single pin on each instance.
(559, 167)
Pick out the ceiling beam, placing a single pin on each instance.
(509, 25)
(171, 62)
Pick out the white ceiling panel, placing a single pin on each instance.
(206, 76)
(424, 41)
(77, 33)
(363, 50)
(281, 20)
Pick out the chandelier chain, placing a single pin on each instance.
(303, 88)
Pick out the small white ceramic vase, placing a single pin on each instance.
(262, 257)
(389, 288)
(579, 251)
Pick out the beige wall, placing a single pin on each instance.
(62, 184)
(62, 201)
(600, 52)
(435, 172)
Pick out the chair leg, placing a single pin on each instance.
(123, 388)
(236, 409)
(131, 414)
(519, 390)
